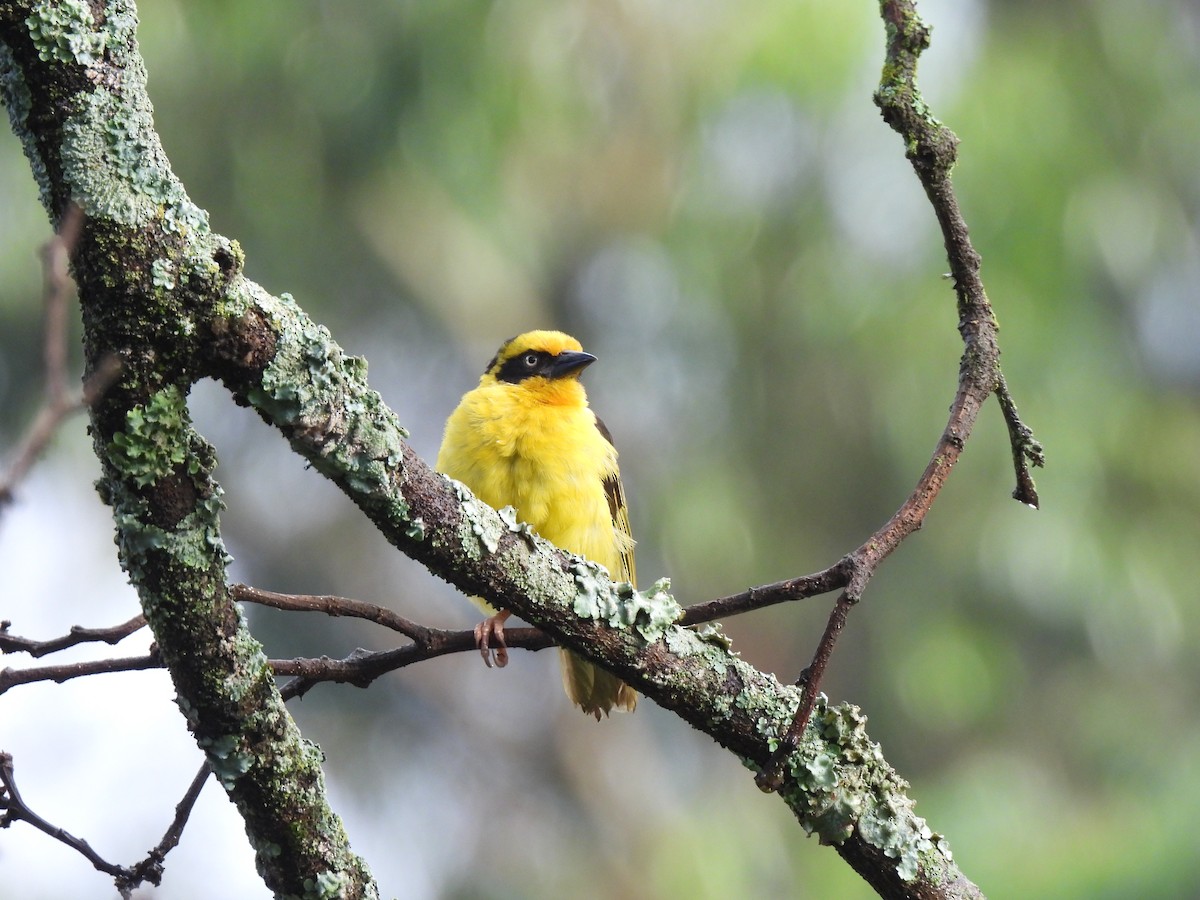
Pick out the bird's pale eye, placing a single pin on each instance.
(531, 360)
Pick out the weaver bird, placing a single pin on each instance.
(526, 438)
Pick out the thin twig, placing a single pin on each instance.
(770, 777)
(11, 678)
(151, 868)
(15, 809)
(822, 582)
(56, 292)
(334, 606)
(836, 576)
(11, 643)
(1026, 450)
(361, 667)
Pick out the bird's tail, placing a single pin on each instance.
(592, 689)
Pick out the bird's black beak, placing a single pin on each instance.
(569, 362)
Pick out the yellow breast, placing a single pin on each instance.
(548, 460)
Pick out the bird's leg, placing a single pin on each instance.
(489, 629)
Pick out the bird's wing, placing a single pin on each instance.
(618, 509)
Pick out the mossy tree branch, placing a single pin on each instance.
(168, 298)
(74, 87)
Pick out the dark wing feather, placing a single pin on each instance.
(618, 509)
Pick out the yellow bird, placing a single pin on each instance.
(526, 438)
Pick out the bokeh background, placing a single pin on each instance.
(705, 194)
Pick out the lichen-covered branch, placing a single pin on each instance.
(168, 297)
(74, 86)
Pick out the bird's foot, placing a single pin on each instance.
(492, 629)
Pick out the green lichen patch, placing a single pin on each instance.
(253, 667)
(64, 31)
(149, 446)
(14, 94)
(478, 534)
(326, 886)
(650, 612)
(841, 784)
(227, 758)
(892, 826)
(508, 515)
(483, 526)
(194, 542)
(157, 442)
(162, 273)
(116, 168)
(339, 423)
(711, 633)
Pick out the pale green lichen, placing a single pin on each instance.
(162, 273)
(508, 515)
(711, 633)
(226, 757)
(840, 784)
(194, 541)
(650, 612)
(14, 93)
(681, 642)
(326, 886)
(483, 526)
(479, 530)
(340, 424)
(63, 31)
(200, 266)
(152, 445)
(253, 666)
(112, 157)
(116, 168)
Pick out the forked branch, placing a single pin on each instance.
(932, 149)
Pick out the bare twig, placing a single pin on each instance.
(11, 643)
(932, 150)
(151, 868)
(334, 606)
(59, 403)
(11, 678)
(836, 576)
(361, 668)
(14, 809)
(755, 598)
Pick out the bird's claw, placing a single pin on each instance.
(492, 629)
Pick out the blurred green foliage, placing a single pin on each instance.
(705, 195)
